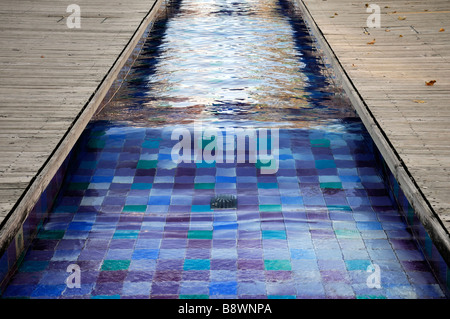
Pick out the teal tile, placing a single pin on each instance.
(320, 142)
(204, 185)
(141, 186)
(277, 264)
(51, 234)
(200, 234)
(273, 234)
(194, 297)
(270, 208)
(267, 185)
(196, 264)
(201, 208)
(33, 266)
(147, 164)
(321, 164)
(106, 297)
(113, 265)
(281, 297)
(134, 208)
(333, 185)
(357, 264)
(125, 234)
(151, 144)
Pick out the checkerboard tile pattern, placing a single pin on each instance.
(140, 226)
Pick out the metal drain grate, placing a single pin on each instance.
(224, 201)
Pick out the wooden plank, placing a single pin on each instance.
(408, 120)
(52, 79)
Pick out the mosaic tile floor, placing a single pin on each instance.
(140, 226)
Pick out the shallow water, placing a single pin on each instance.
(140, 225)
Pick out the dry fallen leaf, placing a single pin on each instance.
(367, 5)
(402, 18)
(419, 101)
(42, 56)
(371, 42)
(336, 14)
(430, 83)
(441, 30)
(387, 30)
(400, 36)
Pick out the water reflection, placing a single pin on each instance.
(226, 61)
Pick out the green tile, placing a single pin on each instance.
(273, 234)
(134, 208)
(321, 142)
(270, 208)
(334, 185)
(51, 234)
(200, 234)
(277, 264)
(125, 234)
(33, 266)
(65, 209)
(113, 265)
(347, 233)
(106, 297)
(196, 264)
(141, 186)
(88, 164)
(357, 264)
(204, 185)
(342, 208)
(194, 297)
(201, 208)
(370, 297)
(150, 144)
(78, 186)
(321, 164)
(267, 185)
(96, 143)
(147, 164)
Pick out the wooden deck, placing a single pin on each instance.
(52, 79)
(385, 71)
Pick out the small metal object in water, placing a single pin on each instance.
(224, 201)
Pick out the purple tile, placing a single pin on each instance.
(165, 288)
(112, 276)
(278, 275)
(251, 275)
(334, 276)
(167, 275)
(223, 264)
(108, 288)
(195, 275)
(170, 264)
(139, 276)
(250, 264)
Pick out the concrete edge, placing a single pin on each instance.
(425, 213)
(37, 186)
